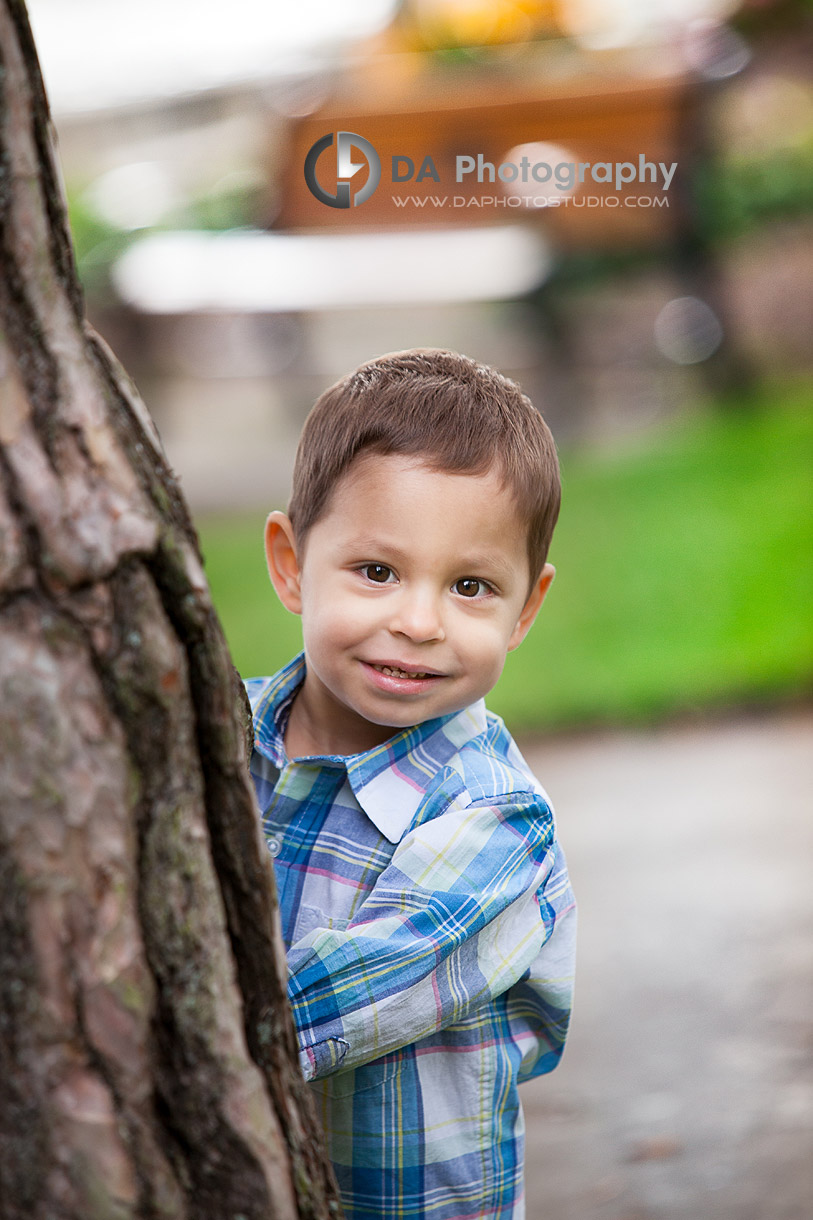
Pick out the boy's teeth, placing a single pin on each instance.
(398, 673)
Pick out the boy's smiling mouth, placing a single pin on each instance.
(390, 673)
(396, 672)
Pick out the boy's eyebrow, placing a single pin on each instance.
(370, 544)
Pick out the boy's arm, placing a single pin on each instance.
(458, 916)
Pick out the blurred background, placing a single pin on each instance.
(665, 332)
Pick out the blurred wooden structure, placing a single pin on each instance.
(599, 107)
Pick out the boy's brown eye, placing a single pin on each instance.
(469, 587)
(378, 572)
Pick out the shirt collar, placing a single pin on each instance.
(388, 781)
(270, 706)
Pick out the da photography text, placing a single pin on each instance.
(564, 175)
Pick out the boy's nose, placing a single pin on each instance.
(418, 617)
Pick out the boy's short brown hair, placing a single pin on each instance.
(451, 412)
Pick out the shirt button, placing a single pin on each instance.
(273, 846)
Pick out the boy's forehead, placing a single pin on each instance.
(388, 474)
(395, 502)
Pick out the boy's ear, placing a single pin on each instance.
(281, 557)
(532, 606)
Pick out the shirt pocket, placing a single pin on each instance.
(310, 918)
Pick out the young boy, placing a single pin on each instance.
(425, 902)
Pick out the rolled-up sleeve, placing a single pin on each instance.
(457, 917)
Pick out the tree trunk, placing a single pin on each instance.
(147, 1056)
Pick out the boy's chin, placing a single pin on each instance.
(405, 716)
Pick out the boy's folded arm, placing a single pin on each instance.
(456, 918)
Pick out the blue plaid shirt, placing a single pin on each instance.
(430, 930)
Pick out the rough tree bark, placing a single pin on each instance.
(147, 1056)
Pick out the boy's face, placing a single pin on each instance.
(412, 588)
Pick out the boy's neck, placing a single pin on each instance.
(312, 730)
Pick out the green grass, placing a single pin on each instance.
(684, 576)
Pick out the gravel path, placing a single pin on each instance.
(686, 1091)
